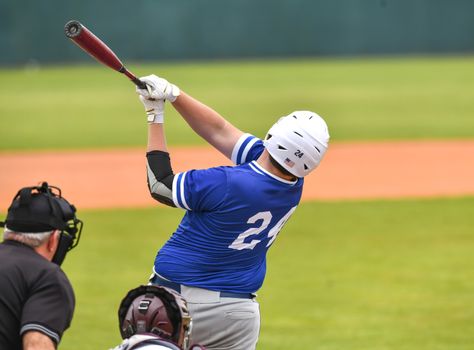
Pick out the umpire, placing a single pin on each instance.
(36, 297)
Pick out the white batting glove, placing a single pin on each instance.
(159, 88)
(155, 109)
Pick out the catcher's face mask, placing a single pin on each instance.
(41, 209)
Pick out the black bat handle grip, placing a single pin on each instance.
(139, 83)
(133, 78)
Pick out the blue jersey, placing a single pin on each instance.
(233, 215)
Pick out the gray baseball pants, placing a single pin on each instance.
(222, 323)
(219, 323)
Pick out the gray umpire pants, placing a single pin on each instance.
(219, 323)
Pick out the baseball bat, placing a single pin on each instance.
(95, 47)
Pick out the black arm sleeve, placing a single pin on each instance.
(160, 176)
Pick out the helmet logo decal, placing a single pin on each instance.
(289, 162)
(299, 154)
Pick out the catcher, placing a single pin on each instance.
(154, 318)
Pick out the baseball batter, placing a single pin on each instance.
(216, 258)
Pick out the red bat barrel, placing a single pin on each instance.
(95, 47)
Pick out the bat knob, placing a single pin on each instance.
(73, 29)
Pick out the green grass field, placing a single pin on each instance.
(352, 275)
(358, 275)
(371, 99)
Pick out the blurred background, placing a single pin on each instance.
(377, 273)
(212, 29)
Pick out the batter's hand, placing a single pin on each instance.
(155, 109)
(159, 89)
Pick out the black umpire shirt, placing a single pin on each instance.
(35, 295)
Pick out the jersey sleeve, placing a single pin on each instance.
(247, 149)
(50, 307)
(200, 190)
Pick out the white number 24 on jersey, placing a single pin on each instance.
(266, 218)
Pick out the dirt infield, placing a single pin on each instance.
(117, 178)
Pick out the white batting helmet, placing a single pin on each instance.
(298, 142)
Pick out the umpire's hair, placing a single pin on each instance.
(33, 240)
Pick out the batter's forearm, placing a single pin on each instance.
(198, 114)
(208, 123)
(156, 138)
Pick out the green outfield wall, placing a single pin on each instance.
(32, 31)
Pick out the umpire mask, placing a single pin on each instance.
(41, 209)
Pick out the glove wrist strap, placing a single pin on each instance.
(155, 118)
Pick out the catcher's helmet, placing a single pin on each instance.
(158, 310)
(298, 142)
